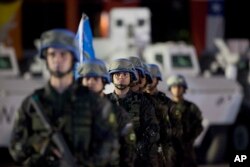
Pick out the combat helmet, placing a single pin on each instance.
(176, 80)
(136, 61)
(94, 68)
(59, 38)
(147, 74)
(122, 65)
(155, 71)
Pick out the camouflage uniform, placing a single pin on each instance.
(186, 120)
(97, 68)
(146, 126)
(141, 112)
(89, 131)
(143, 72)
(127, 137)
(155, 158)
(162, 106)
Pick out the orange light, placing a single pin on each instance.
(104, 24)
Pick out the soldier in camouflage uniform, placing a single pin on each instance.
(162, 106)
(139, 108)
(186, 120)
(144, 78)
(93, 74)
(85, 121)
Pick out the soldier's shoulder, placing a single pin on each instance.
(80, 90)
(191, 105)
(160, 93)
(147, 95)
(109, 95)
(137, 96)
(163, 97)
(38, 93)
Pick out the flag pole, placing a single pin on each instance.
(81, 38)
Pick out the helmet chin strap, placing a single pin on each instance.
(121, 86)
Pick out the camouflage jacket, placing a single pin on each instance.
(86, 122)
(127, 137)
(142, 114)
(162, 107)
(186, 120)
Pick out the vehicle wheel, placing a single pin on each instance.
(240, 137)
(217, 149)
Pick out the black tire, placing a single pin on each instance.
(240, 137)
(217, 149)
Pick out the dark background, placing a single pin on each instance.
(170, 18)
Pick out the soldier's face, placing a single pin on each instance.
(143, 81)
(177, 90)
(153, 85)
(121, 78)
(59, 61)
(93, 83)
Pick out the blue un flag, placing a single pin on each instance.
(85, 41)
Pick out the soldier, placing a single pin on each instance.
(186, 120)
(162, 106)
(139, 86)
(93, 74)
(146, 127)
(85, 121)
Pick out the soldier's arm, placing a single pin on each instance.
(195, 127)
(105, 133)
(166, 124)
(22, 140)
(125, 125)
(127, 137)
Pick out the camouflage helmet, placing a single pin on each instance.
(59, 38)
(94, 68)
(176, 80)
(147, 74)
(122, 65)
(155, 71)
(136, 61)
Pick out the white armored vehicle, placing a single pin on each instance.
(220, 99)
(13, 90)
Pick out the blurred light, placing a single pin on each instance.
(104, 24)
